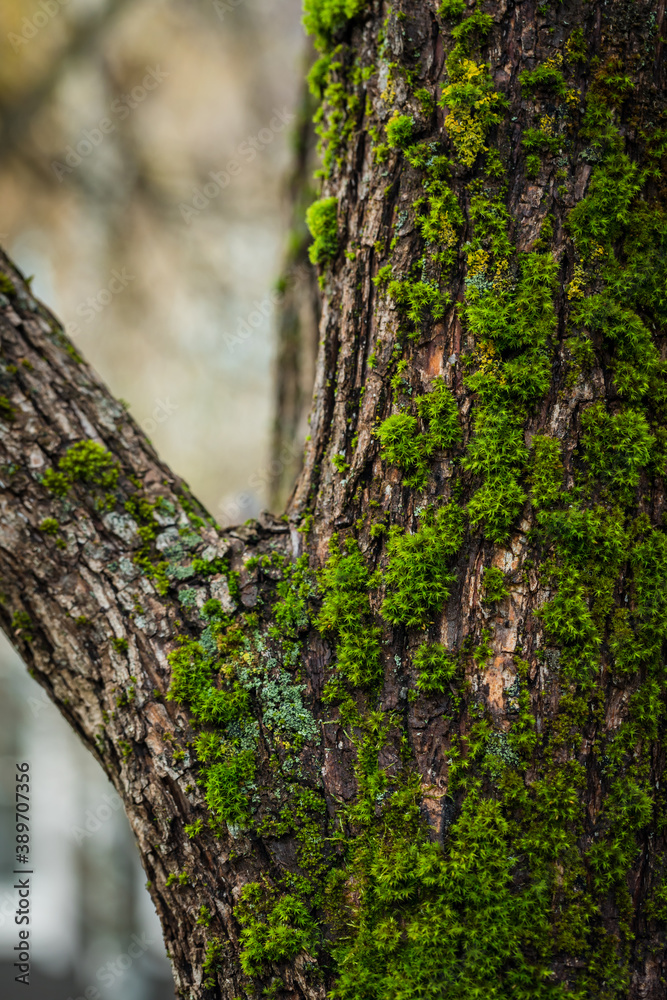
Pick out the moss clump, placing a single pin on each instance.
(7, 411)
(120, 645)
(547, 472)
(418, 577)
(86, 462)
(321, 218)
(494, 584)
(475, 106)
(274, 928)
(345, 582)
(548, 76)
(399, 131)
(90, 462)
(212, 962)
(436, 666)
(339, 464)
(7, 286)
(22, 625)
(404, 445)
(142, 510)
(617, 447)
(322, 18)
(50, 526)
(498, 453)
(452, 8)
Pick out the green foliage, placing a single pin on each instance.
(22, 624)
(89, 462)
(345, 582)
(322, 222)
(322, 18)
(575, 47)
(439, 410)
(86, 462)
(520, 318)
(399, 131)
(7, 411)
(452, 8)
(212, 962)
(545, 77)
(226, 784)
(273, 928)
(290, 612)
(497, 452)
(494, 584)
(436, 666)
(120, 645)
(339, 464)
(418, 300)
(474, 105)
(418, 578)
(546, 478)
(7, 286)
(50, 526)
(604, 214)
(618, 447)
(404, 445)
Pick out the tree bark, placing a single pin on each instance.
(409, 739)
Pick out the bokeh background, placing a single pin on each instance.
(113, 118)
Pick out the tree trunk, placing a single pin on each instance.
(298, 316)
(407, 741)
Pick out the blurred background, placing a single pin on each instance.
(153, 157)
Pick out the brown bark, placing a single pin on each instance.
(58, 401)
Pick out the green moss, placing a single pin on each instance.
(404, 445)
(212, 962)
(418, 578)
(498, 453)
(547, 471)
(89, 463)
(204, 916)
(22, 625)
(474, 104)
(339, 464)
(494, 584)
(321, 218)
(399, 131)
(439, 410)
(50, 526)
(616, 447)
(7, 286)
(273, 928)
(7, 411)
(294, 592)
(345, 582)
(547, 76)
(120, 645)
(452, 8)
(322, 18)
(436, 667)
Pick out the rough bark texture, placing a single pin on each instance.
(435, 769)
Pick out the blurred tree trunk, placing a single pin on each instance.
(407, 741)
(298, 316)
